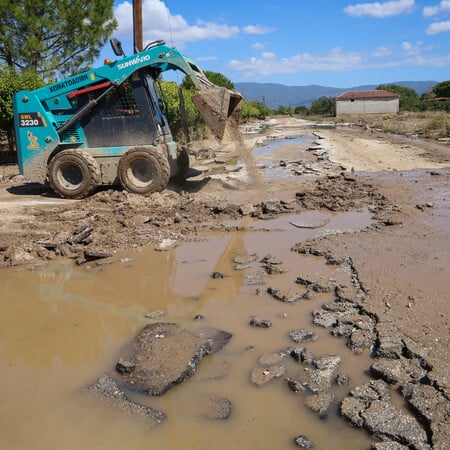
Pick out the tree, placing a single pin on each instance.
(409, 98)
(10, 83)
(441, 89)
(301, 110)
(324, 106)
(55, 38)
(255, 108)
(178, 119)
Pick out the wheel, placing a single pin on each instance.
(73, 174)
(143, 171)
(182, 163)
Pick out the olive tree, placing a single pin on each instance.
(55, 38)
(441, 89)
(323, 106)
(409, 98)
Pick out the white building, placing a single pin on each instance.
(367, 102)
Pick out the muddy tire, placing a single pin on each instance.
(143, 171)
(182, 163)
(73, 174)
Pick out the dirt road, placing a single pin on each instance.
(401, 262)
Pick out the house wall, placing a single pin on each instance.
(367, 106)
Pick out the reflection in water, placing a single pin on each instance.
(62, 326)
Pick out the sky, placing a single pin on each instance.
(336, 43)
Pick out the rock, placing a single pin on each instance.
(320, 403)
(388, 345)
(247, 209)
(217, 407)
(388, 445)
(373, 390)
(257, 278)
(328, 362)
(272, 260)
(274, 269)
(302, 354)
(317, 283)
(320, 379)
(125, 367)
(273, 266)
(256, 321)
(351, 409)
(285, 296)
(164, 355)
(19, 256)
(369, 406)
(433, 408)
(260, 376)
(325, 319)
(342, 379)
(303, 442)
(397, 370)
(271, 207)
(317, 380)
(166, 244)
(269, 359)
(295, 385)
(346, 320)
(106, 388)
(302, 335)
(361, 339)
(216, 275)
(217, 339)
(245, 258)
(154, 314)
(384, 420)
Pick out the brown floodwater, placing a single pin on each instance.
(62, 326)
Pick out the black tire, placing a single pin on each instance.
(143, 171)
(73, 174)
(182, 163)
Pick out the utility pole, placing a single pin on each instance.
(137, 26)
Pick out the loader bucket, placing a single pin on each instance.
(221, 110)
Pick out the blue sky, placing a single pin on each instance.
(338, 43)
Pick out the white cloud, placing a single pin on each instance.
(407, 54)
(257, 29)
(439, 27)
(442, 7)
(417, 49)
(381, 9)
(268, 55)
(207, 58)
(381, 52)
(258, 46)
(159, 23)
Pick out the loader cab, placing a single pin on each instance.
(130, 115)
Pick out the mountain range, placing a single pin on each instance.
(275, 95)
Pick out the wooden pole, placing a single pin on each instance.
(137, 26)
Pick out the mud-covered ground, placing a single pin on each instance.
(400, 262)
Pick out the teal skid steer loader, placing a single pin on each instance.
(107, 126)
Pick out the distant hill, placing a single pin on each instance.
(275, 95)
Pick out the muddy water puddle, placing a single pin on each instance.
(280, 156)
(62, 326)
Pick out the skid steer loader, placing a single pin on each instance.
(107, 126)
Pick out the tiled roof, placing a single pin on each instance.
(362, 95)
